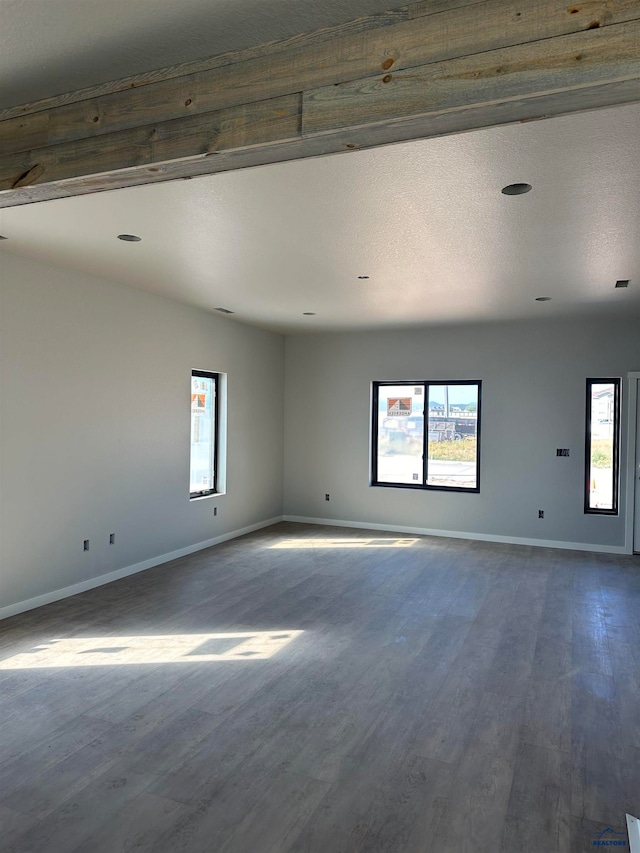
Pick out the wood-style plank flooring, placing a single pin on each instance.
(382, 693)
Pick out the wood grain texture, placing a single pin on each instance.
(560, 65)
(405, 75)
(396, 721)
(477, 801)
(234, 128)
(353, 53)
(381, 19)
(343, 141)
(539, 811)
(433, 7)
(133, 827)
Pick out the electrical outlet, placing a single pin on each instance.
(540, 513)
(326, 497)
(86, 545)
(112, 539)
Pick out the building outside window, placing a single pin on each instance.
(602, 450)
(426, 435)
(204, 433)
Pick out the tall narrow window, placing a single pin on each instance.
(602, 446)
(204, 433)
(426, 435)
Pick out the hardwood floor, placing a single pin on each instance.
(381, 693)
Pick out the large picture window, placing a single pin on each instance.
(426, 435)
(602, 446)
(204, 433)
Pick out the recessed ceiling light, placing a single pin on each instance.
(363, 276)
(622, 282)
(129, 238)
(225, 311)
(543, 299)
(516, 189)
(308, 313)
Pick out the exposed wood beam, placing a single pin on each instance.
(562, 65)
(196, 66)
(434, 67)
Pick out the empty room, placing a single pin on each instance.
(319, 426)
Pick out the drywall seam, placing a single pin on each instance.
(100, 580)
(456, 534)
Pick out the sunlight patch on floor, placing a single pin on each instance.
(344, 543)
(169, 648)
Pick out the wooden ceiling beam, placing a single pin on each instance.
(433, 67)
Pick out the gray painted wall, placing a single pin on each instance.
(94, 425)
(95, 385)
(533, 402)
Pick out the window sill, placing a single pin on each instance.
(206, 497)
(425, 488)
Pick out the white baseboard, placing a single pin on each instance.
(456, 534)
(100, 580)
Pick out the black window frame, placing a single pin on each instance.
(424, 486)
(209, 374)
(617, 403)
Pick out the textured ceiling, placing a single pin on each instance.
(54, 46)
(425, 221)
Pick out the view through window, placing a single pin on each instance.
(427, 435)
(602, 446)
(204, 433)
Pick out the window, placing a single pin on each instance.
(426, 435)
(602, 446)
(204, 433)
